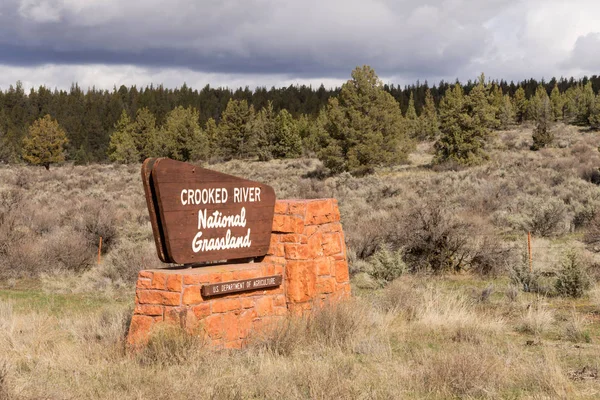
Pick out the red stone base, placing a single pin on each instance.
(307, 248)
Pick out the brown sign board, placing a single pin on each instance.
(241, 286)
(199, 215)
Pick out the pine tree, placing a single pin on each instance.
(595, 113)
(542, 112)
(496, 102)
(14, 122)
(122, 146)
(287, 142)
(569, 110)
(145, 134)
(507, 113)
(556, 100)
(521, 105)
(461, 140)
(212, 136)
(365, 127)
(584, 101)
(313, 133)
(430, 126)
(234, 130)
(263, 130)
(411, 119)
(181, 136)
(45, 142)
(483, 113)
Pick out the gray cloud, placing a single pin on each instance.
(302, 39)
(585, 54)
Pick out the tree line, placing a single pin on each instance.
(354, 128)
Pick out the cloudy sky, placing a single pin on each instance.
(279, 42)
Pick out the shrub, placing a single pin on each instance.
(592, 236)
(491, 257)
(435, 239)
(67, 249)
(367, 231)
(572, 278)
(547, 219)
(128, 258)
(387, 264)
(529, 281)
(11, 203)
(590, 174)
(98, 220)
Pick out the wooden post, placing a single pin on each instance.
(529, 251)
(99, 249)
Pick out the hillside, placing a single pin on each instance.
(444, 305)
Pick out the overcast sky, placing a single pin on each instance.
(280, 42)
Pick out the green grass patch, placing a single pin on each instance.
(60, 304)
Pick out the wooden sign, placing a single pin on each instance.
(200, 215)
(241, 286)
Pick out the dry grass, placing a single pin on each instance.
(63, 323)
(536, 318)
(441, 345)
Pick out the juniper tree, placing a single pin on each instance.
(461, 140)
(122, 147)
(45, 142)
(365, 127)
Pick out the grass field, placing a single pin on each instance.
(423, 323)
(422, 336)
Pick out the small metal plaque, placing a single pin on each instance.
(241, 286)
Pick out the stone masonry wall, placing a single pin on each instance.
(307, 248)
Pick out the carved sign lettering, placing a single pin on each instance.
(200, 215)
(241, 286)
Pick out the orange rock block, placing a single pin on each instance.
(288, 224)
(192, 295)
(307, 249)
(301, 281)
(157, 297)
(139, 330)
(224, 305)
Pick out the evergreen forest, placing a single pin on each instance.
(362, 125)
